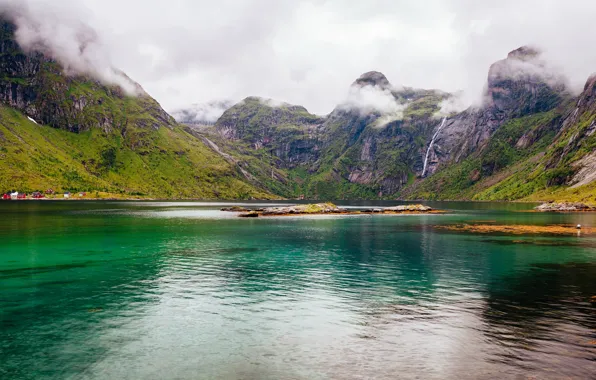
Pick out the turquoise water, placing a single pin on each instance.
(124, 290)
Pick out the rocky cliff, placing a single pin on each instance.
(36, 84)
(518, 86)
(289, 133)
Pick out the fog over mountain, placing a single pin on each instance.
(303, 52)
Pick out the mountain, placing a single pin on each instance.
(517, 86)
(269, 141)
(70, 132)
(372, 143)
(528, 139)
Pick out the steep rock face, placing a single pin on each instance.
(573, 154)
(520, 85)
(378, 149)
(37, 85)
(523, 84)
(19, 82)
(288, 132)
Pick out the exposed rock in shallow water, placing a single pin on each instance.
(327, 208)
(519, 229)
(564, 207)
(408, 208)
(319, 208)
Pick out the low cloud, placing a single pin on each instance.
(454, 104)
(369, 99)
(530, 67)
(307, 52)
(273, 103)
(58, 32)
(206, 113)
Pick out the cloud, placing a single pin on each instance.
(206, 113)
(454, 104)
(59, 31)
(307, 52)
(273, 103)
(526, 63)
(367, 99)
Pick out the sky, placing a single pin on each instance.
(306, 52)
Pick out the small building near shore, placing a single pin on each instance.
(67, 195)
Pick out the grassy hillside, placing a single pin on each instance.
(162, 162)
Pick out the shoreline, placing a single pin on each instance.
(290, 201)
(294, 201)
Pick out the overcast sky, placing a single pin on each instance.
(309, 52)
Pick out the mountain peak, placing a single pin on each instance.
(373, 78)
(524, 53)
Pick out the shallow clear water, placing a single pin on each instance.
(150, 290)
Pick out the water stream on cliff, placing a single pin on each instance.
(181, 290)
(432, 141)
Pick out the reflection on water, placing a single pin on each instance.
(155, 290)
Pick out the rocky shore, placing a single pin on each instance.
(326, 209)
(564, 207)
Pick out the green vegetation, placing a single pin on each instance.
(318, 208)
(172, 163)
(514, 165)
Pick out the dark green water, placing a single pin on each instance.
(182, 291)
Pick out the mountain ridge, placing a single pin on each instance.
(529, 139)
(379, 153)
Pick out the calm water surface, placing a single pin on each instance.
(124, 290)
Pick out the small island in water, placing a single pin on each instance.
(565, 207)
(327, 209)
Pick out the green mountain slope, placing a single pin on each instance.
(171, 163)
(74, 133)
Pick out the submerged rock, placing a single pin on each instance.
(564, 207)
(235, 209)
(252, 214)
(517, 229)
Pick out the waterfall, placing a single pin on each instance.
(430, 146)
